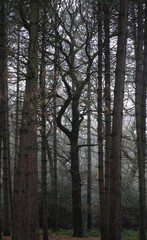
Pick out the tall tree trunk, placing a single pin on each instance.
(74, 156)
(89, 213)
(141, 162)
(2, 74)
(55, 177)
(26, 222)
(16, 140)
(75, 171)
(140, 108)
(4, 118)
(107, 116)
(43, 130)
(115, 187)
(6, 165)
(100, 127)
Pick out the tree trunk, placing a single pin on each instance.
(55, 176)
(26, 222)
(141, 162)
(75, 172)
(142, 184)
(140, 108)
(4, 118)
(115, 188)
(103, 227)
(2, 73)
(76, 189)
(16, 140)
(89, 213)
(6, 165)
(43, 131)
(107, 116)
(43, 127)
(74, 156)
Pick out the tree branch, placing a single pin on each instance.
(60, 115)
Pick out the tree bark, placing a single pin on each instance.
(4, 119)
(75, 172)
(115, 187)
(2, 73)
(107, 115)
(43, 129)
(55, 176)
(140, 109)
(100, 128)
(26, 222)
(74, 156)
(89, 207)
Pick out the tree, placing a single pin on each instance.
(55, 176)
(43, 127)
(100, 127)
(89, 207)
(26, 222)
(115, 185)
(74, 86)
(3, 67)
(107, 95)
(141, 161)
(140, 111)
(104, 159)
(4, 140)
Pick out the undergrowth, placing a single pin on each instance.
(130, 235)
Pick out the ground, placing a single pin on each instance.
(64, 238)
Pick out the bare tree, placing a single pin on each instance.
(74, 85)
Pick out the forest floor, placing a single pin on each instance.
(64, 238)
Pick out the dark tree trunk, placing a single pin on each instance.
(141, 162)
(100, 128)
(89, 207)
(43, 126)
(107, 116)
(43, 130)
(76, 189)
(16, 140)
(140, 38)
(75, 172)
(26, 206)
(55, 176)
(74, 156)
(6, 165)
(2, 73)
(115, 188)
(4, 118)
